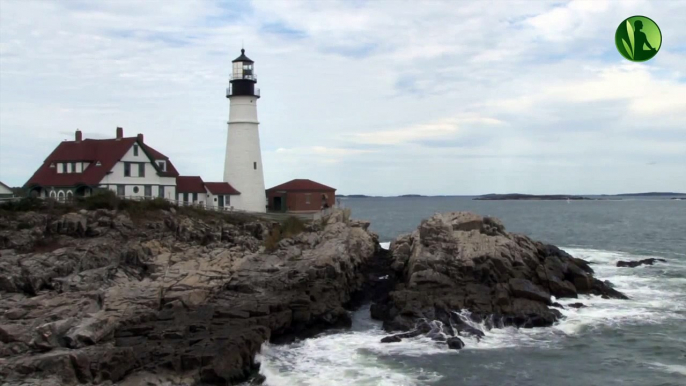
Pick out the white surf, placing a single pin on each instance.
(357, 357)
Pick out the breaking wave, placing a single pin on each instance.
(357, 357)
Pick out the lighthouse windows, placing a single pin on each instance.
(254, 165)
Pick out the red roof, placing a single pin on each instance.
(156, 155)
(190, 184)
(302, 186)
(106, 151)
(221, 188)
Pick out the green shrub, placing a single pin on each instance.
(101, 199)
(26, 204)
(292, 226)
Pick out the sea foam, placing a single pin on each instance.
(357, 357)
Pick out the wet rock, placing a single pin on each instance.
(455, 343)
(525, 289)
(634, 264)
(576, 305)
(391, 339)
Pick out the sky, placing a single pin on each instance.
(370, 97)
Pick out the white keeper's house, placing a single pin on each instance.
(125, 165)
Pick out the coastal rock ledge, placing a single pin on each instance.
(458, 264)
(166, 298)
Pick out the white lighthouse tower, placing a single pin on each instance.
(243, 165)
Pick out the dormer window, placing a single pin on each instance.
(98, 163)
(162, 165)
(135, 150)
(52, 165)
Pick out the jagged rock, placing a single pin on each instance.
(108, 299)
(634, 264)
(463, 261)
(523, 288)
(576, 305)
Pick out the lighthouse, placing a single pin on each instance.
(243, 163)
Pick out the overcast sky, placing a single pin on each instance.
(371, 97)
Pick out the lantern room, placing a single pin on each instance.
(243, 78)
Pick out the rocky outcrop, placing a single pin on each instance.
(634, 264)
(463, 261)
(93, 296)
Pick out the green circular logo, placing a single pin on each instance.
(638, 38)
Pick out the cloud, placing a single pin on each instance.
(452, 128)
(369, 97)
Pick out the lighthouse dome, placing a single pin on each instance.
(243, 58)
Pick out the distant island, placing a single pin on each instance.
(648, 194)
(517, 196)
(411, 195)
(352, 195)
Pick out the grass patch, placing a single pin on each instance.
(106, 199)
(292, 226)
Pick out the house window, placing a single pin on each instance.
(121, 190)
(148, 191)
(135, 189)
(141, 170)
(162, 165)
(64, 168)
(307, 198)
(70, 195)
(228, 200)
(98, 163)
(254, 165)
(195, 197)
(161, 193)
(127, 169)
(73, 167)
(185, 197)
(60, 196)
(135, 150)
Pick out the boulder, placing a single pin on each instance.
(391, 339)
(455, 343)
(634, 264)
(523, 288)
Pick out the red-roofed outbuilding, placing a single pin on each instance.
(300, 195)
(193, 190)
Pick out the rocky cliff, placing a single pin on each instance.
(94, 297)
(463, 261)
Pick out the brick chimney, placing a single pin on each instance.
(120, 133)
(140, 138)
(78, 136)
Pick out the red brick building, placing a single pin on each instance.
(300, 196)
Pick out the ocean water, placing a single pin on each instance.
(641, 341)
